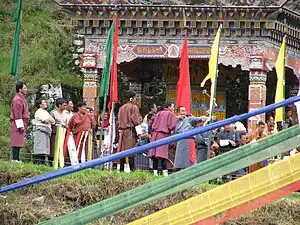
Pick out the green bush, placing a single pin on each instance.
(4, 148)
(26, 152)
(5, 151)
(4, 127)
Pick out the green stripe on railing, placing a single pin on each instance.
(220, 165)
(274, 150)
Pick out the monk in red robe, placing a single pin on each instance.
(164, 123)
(19, 119)
(129, 117)
(79, 124)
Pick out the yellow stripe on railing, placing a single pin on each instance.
(228, 195)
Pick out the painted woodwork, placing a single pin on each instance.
(257, 88)
(150, 30)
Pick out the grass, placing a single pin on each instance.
(84, 176)
(66, 194)
(294, 197)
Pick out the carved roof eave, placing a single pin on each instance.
(167, 6)
(291, 13)
(278, 9)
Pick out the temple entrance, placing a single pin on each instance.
(291, 88)
(155, 81)
(236, 82)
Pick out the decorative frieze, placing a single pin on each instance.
(257, 77)
(88, 61)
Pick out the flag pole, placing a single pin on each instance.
(284, 61)
(111, 133)
(213, 99)
(102, 122)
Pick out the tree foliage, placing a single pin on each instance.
(46, 38)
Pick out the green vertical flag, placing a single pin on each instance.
(14, 64)
(104, 86)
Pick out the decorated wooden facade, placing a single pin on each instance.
(154, 29)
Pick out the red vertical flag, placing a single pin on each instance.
(183, 89)
(113, 95)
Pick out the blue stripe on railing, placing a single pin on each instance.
(68, 170)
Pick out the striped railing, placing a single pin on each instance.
(96, 162)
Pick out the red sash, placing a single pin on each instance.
(66, 142)
(77, 140)
(78, 144)
(193, 154)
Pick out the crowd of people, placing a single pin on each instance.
(77, 124)
(133, 130)
(162, 122)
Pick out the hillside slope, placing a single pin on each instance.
(45, 42)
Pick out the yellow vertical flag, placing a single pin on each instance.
(213, 61)
(212, 74)
(280, 71)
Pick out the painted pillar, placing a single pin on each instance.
(91, 88)
(293, 91)
(257, 89)
(91, 80)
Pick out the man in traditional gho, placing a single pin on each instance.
(59, 114)
(69, 109)
(288, 118)
(43, 122)
(80, 125)
(260, 133)
(163, 125)
(228, 139)
(60, 117)
(146, 130)
(242, 172)
(19, 119)
(105, 124)
(129, 118)
(90, 110)
(202, 140)
(186, 154)
(152, 112)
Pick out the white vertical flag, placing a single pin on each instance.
(109, 139)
